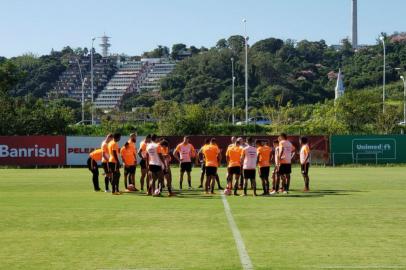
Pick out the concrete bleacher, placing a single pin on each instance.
(157, 69)
(70, 85)
(134, 77)
(127, 79)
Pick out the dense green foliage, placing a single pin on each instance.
(280, 72)
(291, 83)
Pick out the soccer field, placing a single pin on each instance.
(354, 218)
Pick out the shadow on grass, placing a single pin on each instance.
(321, 193)
(198, 194)
(185, 194)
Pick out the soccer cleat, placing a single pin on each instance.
(285, 192)
(107, 191)
(243, 195)
(171, 194)
(200, 186)
(273, 192)
(116, 193)
(190, 188)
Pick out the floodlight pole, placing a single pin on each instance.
(232, 88)
(382, 38)
(83, 92)
(246, 70)
(404, 99)
(92, 79)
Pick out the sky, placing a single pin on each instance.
(136, 26)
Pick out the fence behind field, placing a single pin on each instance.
(373, 149)
(74, 150)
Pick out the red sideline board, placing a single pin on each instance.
(319, 144)
(32, 150)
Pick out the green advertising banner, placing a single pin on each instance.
(375, 149)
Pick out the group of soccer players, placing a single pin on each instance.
(243, 157)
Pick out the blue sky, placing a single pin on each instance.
(139, 25)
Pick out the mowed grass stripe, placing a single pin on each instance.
(60, 223)
(354, 218)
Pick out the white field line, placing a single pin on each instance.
(242, 251)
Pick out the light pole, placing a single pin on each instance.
(246, 70)
(83, 91)
(232, 87)
(91, 78)
(404, 99)
(382, 38)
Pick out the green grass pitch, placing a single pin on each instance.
(354, 218)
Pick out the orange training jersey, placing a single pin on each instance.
(96, 155)
(143, 147)
(113, 146)
(165, 153)
(287, 149)
(186, 152)
(105, 152)
(264, 156)
(234, 155)
(211, 153)
(132, 146)
(127, 156)
(305, 154)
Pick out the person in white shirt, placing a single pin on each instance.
(156, 166)
(249, 159)
(276, 179)
(184, 154)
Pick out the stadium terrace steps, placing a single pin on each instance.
(127, 79)
(134, 76)
(70, 85)
(158, 69)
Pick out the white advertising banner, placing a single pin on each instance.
(79, 147)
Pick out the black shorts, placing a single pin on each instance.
(129, 169)
(186, 166)
(234, 170)
(264, 172)
(155, 168)
(89, 165)
(211, 171)
(106, 168)
(285, 169)
(143, 164)
(305, 168)
(249, 174)
(113, 167)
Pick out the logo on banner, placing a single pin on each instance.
(32, 150)
(36, 151)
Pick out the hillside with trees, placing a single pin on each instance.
(291, 83)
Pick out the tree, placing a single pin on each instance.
(177, 49)
(9, 76)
